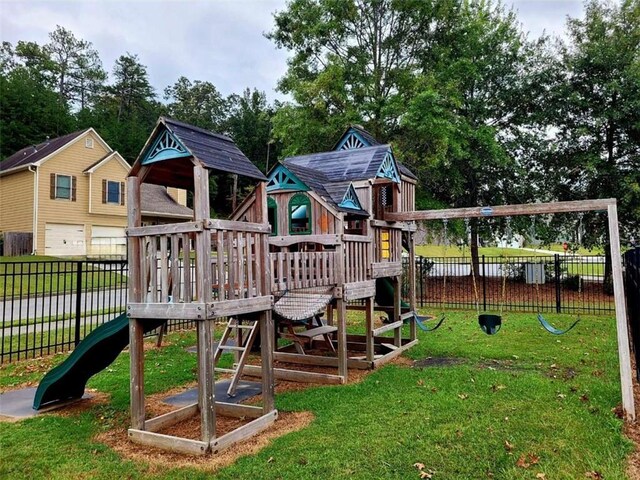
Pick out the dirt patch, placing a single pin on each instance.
(158, 460)
(438, 362)
(76, 408)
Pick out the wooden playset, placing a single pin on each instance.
(319, 235)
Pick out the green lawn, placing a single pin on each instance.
(455, 251)
(520, 394)
(20, 276)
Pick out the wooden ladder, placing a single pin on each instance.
(242, 349)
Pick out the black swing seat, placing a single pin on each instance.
(551, 329)
(420, 321)
(490, 323)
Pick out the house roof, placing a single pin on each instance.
(343, 165)
(369, 140)
(156, 201)
(330, 192)
(213, 150)
(94, 166)
(34, 153)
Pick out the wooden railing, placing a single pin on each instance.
(238, 259)
(292, 270)
(166, 264)
(169, 271)
(387, 244)
(357, 257)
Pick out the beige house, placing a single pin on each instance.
(69, 192)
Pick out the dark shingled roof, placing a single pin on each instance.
(213, 150)
(367, 137)
(343, 165)
(156, 201)
(330, 192)
(34, 153)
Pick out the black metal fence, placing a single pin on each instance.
(632, 290)
(50, 306)
(558, 283)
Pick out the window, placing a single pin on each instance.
(113, 192)
(88, 142)
(299, 215)
(63, 187)
(272, 213)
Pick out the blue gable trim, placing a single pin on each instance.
(281, 178)
(352, 139)
(165, 147)
(388, 168)
(350, 199)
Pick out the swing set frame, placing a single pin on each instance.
(608, 206)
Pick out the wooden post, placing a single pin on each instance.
(342, 338)
(267, 335)
(413, 334)
(206, 395)
(397, 309)
(624, 354)
(136, 347)
(370, 352)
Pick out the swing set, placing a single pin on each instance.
(492, 322)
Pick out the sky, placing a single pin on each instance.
(220, 41)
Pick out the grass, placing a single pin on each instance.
(519, 393)
(455, 251)
(49, 274)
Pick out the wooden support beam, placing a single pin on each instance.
(171, 228)
(230, 308)
(237, 410)
(168, 442)
(267, 334)
(413, 304)
(288, 240)
(386, 328)
(624, 355)
(215, 224)
(370, 352)
(171, 418)
(296, 375)
(319, 360)
(241, 433)
(187, 311)
(393, 354)
(503, 210)
(397, 305)
(341, 338)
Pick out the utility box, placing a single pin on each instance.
(534, 273)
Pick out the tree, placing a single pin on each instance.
(76, 67)
(198, 103)
(352, 61)
(131, 89)
(596, 113)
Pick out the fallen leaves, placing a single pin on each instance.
(595, 475)
(463, 396)
(424, 474)
(525, 461)
(508, 446)
(541, 476)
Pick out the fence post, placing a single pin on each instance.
(556, 264)
(78, 300)
(484, 284)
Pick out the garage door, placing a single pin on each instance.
(64, 240)
(108, 241)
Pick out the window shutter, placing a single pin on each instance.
(52, 190)
(121, 193)
(73, 189)
(104, 191)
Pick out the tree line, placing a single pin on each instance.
(481, 112)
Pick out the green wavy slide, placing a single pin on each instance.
(93, 354)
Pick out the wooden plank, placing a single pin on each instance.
(288, 240)
(356, 238)
(319, 360)
(413, 304)
(504, 210)
(397, 305)
(356, 290)
(624, 355)
(164, 269)
(387, 328)
(221, 270)
(341, 338)
(168, 229)
(241, 306)
(385, 269)
(370, 352)
(391, 224)
(267, 335)
(216, 224)
(393, 354)
(188, 311)
(296, 375)
(245, 431)
(175, 268)
(153, 270)
(317, 331)
(186, 268)
(171, 418)
(242, 256)
(206, 380)
(237, 410)
(168, 442)
(250, 257)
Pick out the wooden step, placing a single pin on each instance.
(314, 332)
(225, 370)
(231, 347)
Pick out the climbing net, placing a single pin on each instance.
(302, 303)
